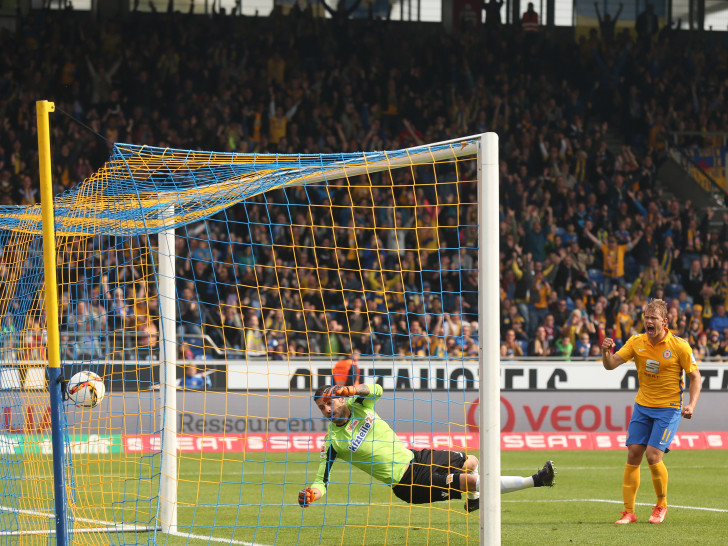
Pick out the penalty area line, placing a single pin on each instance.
(612, 501)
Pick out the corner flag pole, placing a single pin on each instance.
(43, 109)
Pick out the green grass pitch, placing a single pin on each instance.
(222, 501)
(581, 509)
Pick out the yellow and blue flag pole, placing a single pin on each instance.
(43, 109)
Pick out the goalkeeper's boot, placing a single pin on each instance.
(658, 514)
(471, 505)
(545, 476)
(627, 517)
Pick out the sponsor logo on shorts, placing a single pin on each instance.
(449, 479)
(363, 432)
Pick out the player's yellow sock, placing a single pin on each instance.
(630, 485)
(659, 480)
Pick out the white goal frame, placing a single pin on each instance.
(489, 339)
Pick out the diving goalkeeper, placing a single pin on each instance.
(359, 436)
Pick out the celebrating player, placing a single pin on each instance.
(358, 435)
(660, 358)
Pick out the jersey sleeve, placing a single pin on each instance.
(328, 456)
(375, 393)
(687, 357)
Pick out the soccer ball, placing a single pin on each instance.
(86, 389)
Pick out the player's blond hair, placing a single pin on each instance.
(657, 305)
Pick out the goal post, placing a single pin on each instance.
(489, 295)
(214, 293)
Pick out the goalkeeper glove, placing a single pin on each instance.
(306, 497)
(340, 390)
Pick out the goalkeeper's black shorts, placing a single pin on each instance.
(433, 475)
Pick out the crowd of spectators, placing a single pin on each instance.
(586, 232)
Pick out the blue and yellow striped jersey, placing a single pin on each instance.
(659, 369)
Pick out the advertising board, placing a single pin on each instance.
(549, 404)
(408, 412)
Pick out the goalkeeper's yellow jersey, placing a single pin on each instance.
(366, 441)
(659, 369)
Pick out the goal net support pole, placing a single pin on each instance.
(168, 379)
(489, 335)
(43, 109)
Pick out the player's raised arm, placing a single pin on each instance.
(610, 360)
(346, 391)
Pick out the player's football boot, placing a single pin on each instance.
(472, 505)
(627, 517)
(658, 514)
(545, 476)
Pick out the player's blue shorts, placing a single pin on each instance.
(654, 427)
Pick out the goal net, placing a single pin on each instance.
(214, 293)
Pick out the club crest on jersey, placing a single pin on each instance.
(667, 354)
(352, 425)
(363, 432)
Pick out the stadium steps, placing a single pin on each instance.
(674, 181)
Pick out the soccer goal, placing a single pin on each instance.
(214, 293)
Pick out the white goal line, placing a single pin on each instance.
(123, 528)
(107, 525)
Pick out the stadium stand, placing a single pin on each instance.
(272, 84)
